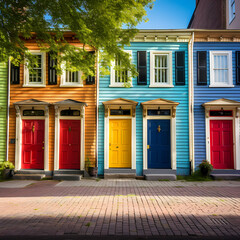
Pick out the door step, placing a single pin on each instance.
(67, 177)
(28, 176)
(119, 175)
(225, 176)
(160, 177)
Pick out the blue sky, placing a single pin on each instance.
(169, 14)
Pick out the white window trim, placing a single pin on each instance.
(230, 77)
(26, 71)
(152, 74)
(231, 16)
(63, 82)
(112, 73)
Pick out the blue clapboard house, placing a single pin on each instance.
(144, 129)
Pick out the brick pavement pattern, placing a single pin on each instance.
(121, 207)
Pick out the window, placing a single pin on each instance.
(71, 79)
(36, 77)
(231, 10)
(120, 111)
(70, 112)
(221, 69)
(118, 78)
(160, 69)
(159, 112)
(32, 112)
(221, 113)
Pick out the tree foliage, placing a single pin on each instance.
(106, 25)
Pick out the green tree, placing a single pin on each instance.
(106, 25)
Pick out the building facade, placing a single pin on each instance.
(144, 129)
(52, 118)
(216, 68)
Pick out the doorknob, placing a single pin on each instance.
(148, 147)
(69, 129)
(159, 128)
(116, 146)
(33, 128)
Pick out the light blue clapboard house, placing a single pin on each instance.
(216, 71)
(144, 129)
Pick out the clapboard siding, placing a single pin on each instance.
(3, 109)
(204, 94)
(52, 94)
(142, 93)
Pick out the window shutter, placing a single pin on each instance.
(202, 68)
(142, 67)
(238, 67)
(52, 74)
(15, 74)
(180, 68)
(90, 80)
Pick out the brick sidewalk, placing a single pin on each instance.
(134, 208)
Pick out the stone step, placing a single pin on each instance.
(159, 177)
(119, 175)
(25, 171)
(20, 176)
(225, 176)
(67, 177)
(67, 171)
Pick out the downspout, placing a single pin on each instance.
(97, 102)
(190, 102)
(8, 105)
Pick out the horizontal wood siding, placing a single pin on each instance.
(3, 109)
(52, 94)
(204, 93)
(142, 93)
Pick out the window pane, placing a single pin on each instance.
(221, 76)
(161, 71)
(220, 62)
(72, 77)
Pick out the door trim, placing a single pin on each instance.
(18, 143)
(58, 109)
(236, 136)
(106, 140)
(173, 138)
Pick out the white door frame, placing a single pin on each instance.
(58, 109)
(236, 133)
(18, 142)
(172, 134)
(133, 137)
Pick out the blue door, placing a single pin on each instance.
(159, 144)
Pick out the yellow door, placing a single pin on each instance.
(120, 143)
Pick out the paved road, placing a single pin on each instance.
(134, 208)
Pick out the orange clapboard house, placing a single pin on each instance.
(52, 118)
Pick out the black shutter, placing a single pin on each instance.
(90, 80)
(238, 67)
(52, 74)
(142, 67)
(202, 68)
(180, 68)
(15, 74)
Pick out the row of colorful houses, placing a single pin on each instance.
(182, 108)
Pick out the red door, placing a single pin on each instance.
(69, 144)
(221, 134)
(32, 144)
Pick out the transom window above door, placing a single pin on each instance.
(36, 76)
(221, 69)
(160, 69)
(118, 78)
